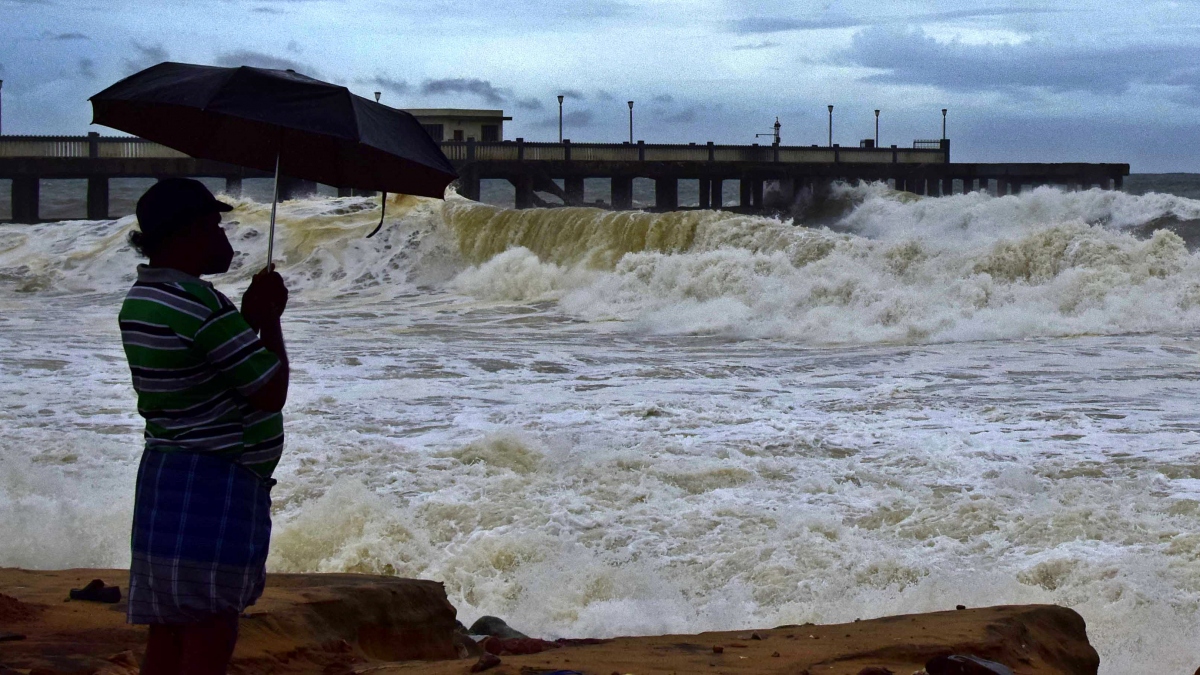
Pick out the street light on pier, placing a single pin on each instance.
(377, 95)
(943, 124)
(1, 109)
(831, 125)
(877, 127)
(560, 100)
(631, 122)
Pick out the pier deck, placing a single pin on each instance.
(539, 167)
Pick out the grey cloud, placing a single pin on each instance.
(765, 44)
(146, 56)
(68, 36)
(682, 117)
(663, 98)
(605, 95)
(575, 118)
(910, 56)
(294, 47)
(388, 84)
(769, 24)
(460, 85)
(246, 57)
(529, 104)
(87, 68)
(267, 10)
(572, 93)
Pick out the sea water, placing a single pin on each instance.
(594, 423)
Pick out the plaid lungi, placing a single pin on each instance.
(201, 528)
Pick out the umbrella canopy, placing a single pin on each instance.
(256, 117)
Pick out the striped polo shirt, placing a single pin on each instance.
(194, 360)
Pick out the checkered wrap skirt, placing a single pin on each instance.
(201, 528)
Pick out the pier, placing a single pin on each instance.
(769, 177)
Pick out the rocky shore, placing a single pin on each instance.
(344, 623)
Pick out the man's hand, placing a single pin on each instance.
(265, 300)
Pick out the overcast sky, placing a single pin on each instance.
(1078, 80)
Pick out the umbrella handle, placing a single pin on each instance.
(382, 208)
(274, 201)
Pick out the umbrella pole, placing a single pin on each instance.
(274, 202)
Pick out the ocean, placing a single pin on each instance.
(598, 423)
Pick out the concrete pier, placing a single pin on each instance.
(558, 171)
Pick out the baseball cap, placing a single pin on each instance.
(171, 202)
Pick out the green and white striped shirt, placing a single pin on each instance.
(194, 360)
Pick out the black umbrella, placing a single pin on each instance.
(280, 121)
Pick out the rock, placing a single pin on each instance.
(96, 591)
(718, 649)
(491, 625)
(960, 607)
(485, 662)
(775, 655)
(755, 636)
(516, 646)
(876, 670)
(958, 664)
(13, 610)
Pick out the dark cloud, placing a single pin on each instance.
(681, 117)
(247, 57)
(267, 10)
(294, 47)
(87, 69)
(910, 56)
(605, 95)
(772, 24)
(462, 85)
(573, 94)
(145, 56)
(388, 84)
(528, 104)
(67, 36)
(765, 44)
(573, 119)
(664, 98)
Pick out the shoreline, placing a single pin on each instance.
(349, 623)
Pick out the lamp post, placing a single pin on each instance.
(1, 108)
(877, 127)
(377, 95)
(943, 124)
(631, 122)
(831, 125)
(560, 100)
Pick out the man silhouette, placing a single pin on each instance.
(211, 382)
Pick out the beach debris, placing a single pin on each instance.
(960, 607)
(96, 591)
(491, 625)
(775, 655)
(876, 670)
(755, 636)
(960, 664)
(485, 662)
(718, 649)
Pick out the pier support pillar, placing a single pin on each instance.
(666, 193)
(622, 193)
(345, 192)
(233, 187)
(899, 184)
(1118, 183)
(97, 198)
(25, 193)
(947, 187)
(745, 196)
(1106, 183)
(705, 193)
(573, 187)
(468, 183)
(1014, 187)
(363, 193)
(968, 185)
(756, 193)
(784, 194)
(915, 185)
(1001, 187)
(524, 192)
(716, 198)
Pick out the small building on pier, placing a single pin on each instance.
(461, 124)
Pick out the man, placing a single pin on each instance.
(211, 382)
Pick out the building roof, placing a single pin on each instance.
(456, 112)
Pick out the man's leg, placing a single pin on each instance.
(164, 650)
(208, 645)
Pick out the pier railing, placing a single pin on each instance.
(127, 147)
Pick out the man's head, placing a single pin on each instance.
(179, 224)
